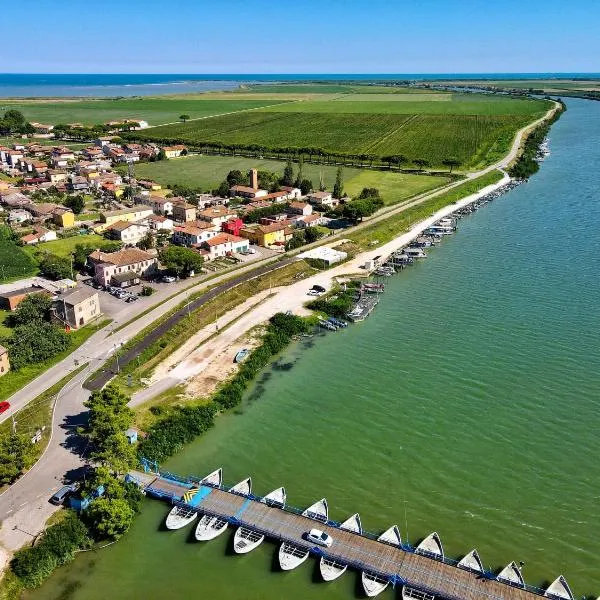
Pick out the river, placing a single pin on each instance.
(466, 404)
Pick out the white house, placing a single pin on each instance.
(324, 198)
(191, 235)
(128, 233)
(224, 244)
(217, 215)
(39, 235)
(300, 208)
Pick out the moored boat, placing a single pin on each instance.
(241, 356)
(210, 527)
(559, 589)
(413, 252)
(291, 556)
(409, 593)
(243, 488)
(332, 569)
(373, 584)
(180, 516)
(391, 536)
(276, 498)
(213, 479)
(246, 540)
(511, 575)
(471, 562)
(319, 511)
(431, 546)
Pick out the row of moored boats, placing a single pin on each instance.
(293, 555)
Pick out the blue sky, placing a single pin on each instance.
(326, 36)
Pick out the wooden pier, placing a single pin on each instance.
(361, 552)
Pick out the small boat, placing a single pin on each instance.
(391, 536)
(511, 575)
(319, 511)
(241, 356)
(327, 325)
(409, 593)
(414, 252)
(214, 479)
(373, 584)
(372, 288)
(559, 589)
(210, 527)
(385, 271)
(246, 540)
(332, 569)
(472, 562)
(291, 556)
(431, 546)
(439, 230)
(180, 516)
(446, 222)
(243, 488)
(422, 242)
(402, 259)
(276, 498)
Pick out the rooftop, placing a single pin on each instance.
(127, 256)
(78, 295)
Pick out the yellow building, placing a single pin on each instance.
(135, 213)
(64, 217)
(265, 235)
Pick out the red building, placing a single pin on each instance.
(232, 226)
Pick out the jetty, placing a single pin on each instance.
(422, 575)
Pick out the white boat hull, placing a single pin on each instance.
(179, 518)
(331, 569)
(209, 528)
(246, 540)
(291, 556)
(373, 585)
(276, 498)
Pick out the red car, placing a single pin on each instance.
(4, 406)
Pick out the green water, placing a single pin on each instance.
(467, 404)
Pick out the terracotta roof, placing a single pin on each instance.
(298, 204)
(121, 225)
(127, 211)
(216, 211)
(127, 256)
(243, 188)
(223, 238)
(274, 195)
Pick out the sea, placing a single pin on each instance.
(467, 404)
(32, 85)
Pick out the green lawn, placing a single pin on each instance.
(63, 247)
(152, 110)
(4, 141)
(207, 172)
(15, 262)
(5, 331)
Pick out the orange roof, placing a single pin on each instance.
(223, 238)
(127, 256)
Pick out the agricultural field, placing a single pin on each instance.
(15, 263)
(153, 110)
(207, 172)
(62, 247)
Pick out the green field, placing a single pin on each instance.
(153, 110)
(329, 88)
(15, 263)
(62, 247)
(207, 172)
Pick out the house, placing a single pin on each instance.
(205, 200)
(128, 233)
(160, 205)
(92, 152)
(42, 210)
(102, 141)
(18, 215)
(244, 191)
(293, 193)
(77, 307)
(174, 151)
(78, 183)
(184, 212)
(300, 208)
(15, 200)
(150, 185)
(10, 300)
(13, 157)
(63, 217)
(312, 220)
(217, 215)
(4, 362)
(39, 235)
(224, 244)
(157, 222)
(56, 175)
(43, 129)
(135, 213)
(129, 263)
(265, 235)
(233, 226)
(324, 198)
(193, 234)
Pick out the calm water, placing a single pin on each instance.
(467, 403)
(18, 85)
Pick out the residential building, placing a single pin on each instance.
(128, 233)
(312, 220)
(324, 198)
(39, 235)
(300, 208)
(63, 217)
(10, 300)
(135, 213)
(4, 362)
(184, 212)
(56, 175)
(78, 183)
(265, 235)
(244, 191)
(18, 215)
(217, 215)
(193, 234)
(15, 199)
(233, 226)
(205, 200)
(174, 151)
(129, 262)
(42, 210)
(224, 244)
(160, 205)
(43, 129)
(77, 307)
(157, 222)
(293, 193)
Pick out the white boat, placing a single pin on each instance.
(291, 556)
(431, 546)
(511, 574)
(559, 588)
(276, 498)
(243, 488)
(373, 584)
(319, 511)
(391, 536)
(180, 516)
(210, 527)
(409, 593)
(446, 222)
(472, 562)
(330, 568)
(415, 252)
(246, 540)
(214, 479)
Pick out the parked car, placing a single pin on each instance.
(63, 494)
(318, 288)
(316, 536)
(251, 250)
(169, 279)
(4, 406)
(314, 293)
(131, 298)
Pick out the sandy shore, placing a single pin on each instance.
(203, 366)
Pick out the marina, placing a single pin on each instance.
(383, 560)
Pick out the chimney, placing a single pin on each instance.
(254, 179)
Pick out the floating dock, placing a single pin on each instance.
(363, 552)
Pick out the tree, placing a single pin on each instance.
(338, 190)
(300, 175)
(56, 267)
(148, 241)
(110, 518)
(421, 163)
(296, 241)
(13, 454)
(356, 210)
(322, 187)
(75, 203)
(180, 261)
(288, 174)
(312, 234)
(184, 118)
(451, 163)
(235, 177)
(34, 309)
(306, 186)
(368, 193)
(35, 342)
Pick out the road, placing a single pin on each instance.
(24, 506)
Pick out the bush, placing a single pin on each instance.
(35, 342)
(147, 290)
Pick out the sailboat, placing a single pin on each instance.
(330, 568)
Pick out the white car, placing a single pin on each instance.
(314, 293)
(316, 536)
